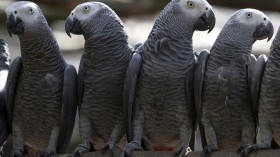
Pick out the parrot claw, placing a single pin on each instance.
(48, 152)
(182, 151)
(130, 147)
(111, 146)
(246, 149)
(17, 152)
(81, 149)
(207, 151)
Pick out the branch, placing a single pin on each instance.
(263, 153)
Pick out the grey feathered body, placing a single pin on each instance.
(161, 87)
(269, 110)
(38, 99)
(225, 100)
(106, 58)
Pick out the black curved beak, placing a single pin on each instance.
(263, 31)
(206, 21)
(14, 25)
(270, 30)
(72, 25)
(68, 26)
(210, 20)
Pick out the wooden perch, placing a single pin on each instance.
(263, 153)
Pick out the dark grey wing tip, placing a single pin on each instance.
(200, 67)
(11, 87)
(69, 108)
(138, 44)
(80, 82)
(198, 78)
(255, 84)
(129, 90)
(199, 74)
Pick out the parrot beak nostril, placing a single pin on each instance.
(207, 8)
(264, 18)
(72, 14)
(15, 12)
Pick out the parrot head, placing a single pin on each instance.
(23, 16)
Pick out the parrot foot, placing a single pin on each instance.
(81, 149)
(207, 151)
(111, 146)
(246, 149)
(48, 152)
(182, 151)
(130, 147)
(17, 152)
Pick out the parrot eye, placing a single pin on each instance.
(248, 15)
(31, 11)
(190, 4)
(86, 8)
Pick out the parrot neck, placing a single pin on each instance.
(40, 47)
(172, 32)
(227, 51)
(107, 46)
(233, 41)
(172, 24)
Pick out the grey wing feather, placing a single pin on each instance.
(129, 90)
(69, 108)
(13, 76)
(199, 73)
(252, 63)
(80, 86)
(257, 72)
(190, 99)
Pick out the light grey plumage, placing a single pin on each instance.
(4, 69)
(223, 91)
(265, 91)
(160, 74)
(41, 86)
(101, 75)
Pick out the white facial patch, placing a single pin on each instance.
(27, 11)
(21, 7)
(250, 17)
(86, 10)
(194, 8)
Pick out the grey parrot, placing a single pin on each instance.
(158, 88)
(265, 93)
(222, 83)
(4, 69)
(41, 86)
(101, 76)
